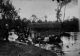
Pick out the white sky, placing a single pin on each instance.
(44, 7)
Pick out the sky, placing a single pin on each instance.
(42, 8)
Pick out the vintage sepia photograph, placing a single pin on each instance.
(39, 28)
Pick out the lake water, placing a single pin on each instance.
(73, 48)
(71, 45)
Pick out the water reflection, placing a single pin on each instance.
(71, 46)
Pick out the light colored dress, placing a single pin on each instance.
(12, 36)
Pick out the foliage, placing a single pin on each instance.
(39, 21)
(10, 20)
(64, 1)
(71, 25)
(34, 18)
(60, 6)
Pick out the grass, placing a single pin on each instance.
(18, 49)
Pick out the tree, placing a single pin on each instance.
(11, 20)
(34, 18)
(28, 21)
(61, 3)
(39, 21)
(71, 25)
(24, 19)
(45, 18)
(8, 10)
(8, 14)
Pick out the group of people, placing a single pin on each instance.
(49, 42)
(52, 39)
